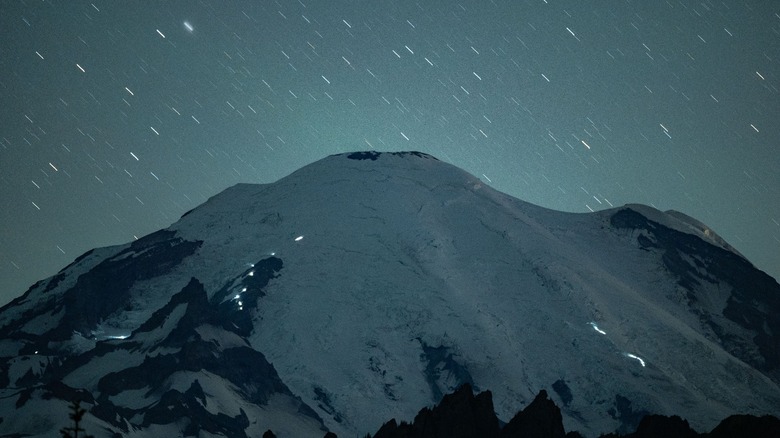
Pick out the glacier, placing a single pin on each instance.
(367, 285)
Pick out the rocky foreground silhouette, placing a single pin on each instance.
(462, 414)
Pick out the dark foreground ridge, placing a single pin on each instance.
(465, 415)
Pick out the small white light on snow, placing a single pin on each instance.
(633, 356)
(595, 327)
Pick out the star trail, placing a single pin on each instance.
(117, 117)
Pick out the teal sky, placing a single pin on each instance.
(117, 117)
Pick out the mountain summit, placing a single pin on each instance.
(367, 285)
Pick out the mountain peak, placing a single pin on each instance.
(366, 285)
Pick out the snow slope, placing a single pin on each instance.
(366, 285)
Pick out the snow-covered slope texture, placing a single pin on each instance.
(366, 285)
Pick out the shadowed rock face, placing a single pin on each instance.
(754, 300)
(104, 289)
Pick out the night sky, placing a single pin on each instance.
(117, 117)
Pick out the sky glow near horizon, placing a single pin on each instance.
(118, 117)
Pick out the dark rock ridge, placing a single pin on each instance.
(459, 415)
(464, 415)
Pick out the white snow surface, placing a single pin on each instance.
(383, 257)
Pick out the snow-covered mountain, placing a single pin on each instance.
(365, 286)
